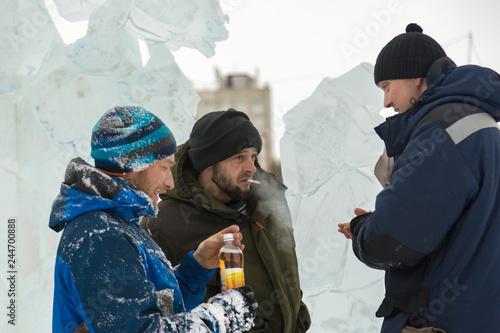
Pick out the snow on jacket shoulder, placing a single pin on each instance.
(110, 274)
(436, 226)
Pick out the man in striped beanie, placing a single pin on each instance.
(110, 276)
(128, 139)
(131, 142)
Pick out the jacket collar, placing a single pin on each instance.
(88, 189)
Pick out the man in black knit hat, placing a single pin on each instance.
(219, 182)
(436, 226)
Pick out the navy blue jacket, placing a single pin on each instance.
(436, 225)
(110, 275)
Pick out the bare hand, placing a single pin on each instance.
(207, 253)
(345, 228)
(360, 211)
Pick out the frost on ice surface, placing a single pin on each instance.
(328, 152)
(52, 94)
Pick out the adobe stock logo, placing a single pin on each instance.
(28, 22)
(371, 29)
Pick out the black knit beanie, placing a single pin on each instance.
(407, 56)
(219, 135)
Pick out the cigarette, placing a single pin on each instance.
(253, 181)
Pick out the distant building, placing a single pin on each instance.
(241, 92)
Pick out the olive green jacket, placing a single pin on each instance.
(188, 215)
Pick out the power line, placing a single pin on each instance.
(471, 47)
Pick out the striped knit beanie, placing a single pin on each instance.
(219, 135)
(407, 56)
(129, 139)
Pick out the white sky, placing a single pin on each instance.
(294, 44)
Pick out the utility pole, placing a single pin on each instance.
(469, 48)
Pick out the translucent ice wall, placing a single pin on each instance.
(51, 95)
(328, 153)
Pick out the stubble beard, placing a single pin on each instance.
(225, 185)
(142, 184)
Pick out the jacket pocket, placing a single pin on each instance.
(261, 325)
(413, 303)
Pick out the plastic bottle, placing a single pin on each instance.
(231, 264)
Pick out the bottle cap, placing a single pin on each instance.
(228, 237)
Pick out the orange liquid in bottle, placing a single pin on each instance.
(231, 268)
(230, 259)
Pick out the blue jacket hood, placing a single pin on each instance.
(446, 83)
(86, 189)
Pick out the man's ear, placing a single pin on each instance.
(205, 176)
(421, 83)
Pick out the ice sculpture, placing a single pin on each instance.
(51, 94)
(328, 153)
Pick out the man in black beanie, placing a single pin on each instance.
(219, 182)
(436, 226)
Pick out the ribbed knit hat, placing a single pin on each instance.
(219, 135)
(128, 139)
(407, 56)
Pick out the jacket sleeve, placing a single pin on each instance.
(116, 295)
(430, 187)
(304, 318)
(192, 279)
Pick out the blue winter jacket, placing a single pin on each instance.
(110, 275)
(436, 226)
